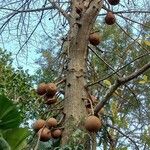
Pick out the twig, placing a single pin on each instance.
(60, 9)
(61, 81)
(98, 81)
(37, 144)
(62, 118)
(124, 135)
(119, 82)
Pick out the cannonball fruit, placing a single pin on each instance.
(51, 89)
(56, 133)
(113, 2)
(110, 18)
(94, 39)
(51, 122)
(39, 124)
(93, 124)
(45, 134)
(41, 90)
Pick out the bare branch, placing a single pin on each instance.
(59, 9)
(100, 80)
(123, 135)
(119, 82)
(27, 10)
(135, 74)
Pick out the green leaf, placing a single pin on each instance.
(16, 137)
(147, 43)
(145, 78)
(9, 115)
(4, 145)
(107, 82)
(142, 82)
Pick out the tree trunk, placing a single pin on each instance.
(74, 107)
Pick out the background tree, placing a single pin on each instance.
(17, 85)
(104, 70)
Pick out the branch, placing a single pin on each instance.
(123, 135)
(27, 10)
(121, 68)
(135, 74)
(119, 82)
(59, 9)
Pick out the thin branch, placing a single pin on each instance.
(123, 135)
(59, 9)
(98, 81)
(135, 74)
(119, 82)
(27, 10)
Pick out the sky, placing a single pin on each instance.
(11, 39)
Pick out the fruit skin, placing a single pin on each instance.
(93, 124)
(113, 2)
(110, 18)
(51, 89)
(41, 90)
(45, 134)
(94, 39)
(56, 133)
(39, 124)
(51, 122)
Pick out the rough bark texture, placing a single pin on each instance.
(80, 27)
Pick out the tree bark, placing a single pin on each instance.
(74, 107)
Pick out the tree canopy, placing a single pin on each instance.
(114, 70)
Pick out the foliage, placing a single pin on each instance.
(123, 50)
(17, 84)
(12, 137)
(127, 101)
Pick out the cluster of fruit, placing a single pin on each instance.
(110, 17)
(48, 91)
(47, 129)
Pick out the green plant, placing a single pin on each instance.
(12, 136)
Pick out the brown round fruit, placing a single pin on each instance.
(51, 89)
(41, 90)
(51, 122)
(93, 124)
(94, 39)
(56, 133)
(39, 124)
(110, 18)
(45, 134)
(113, 2)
